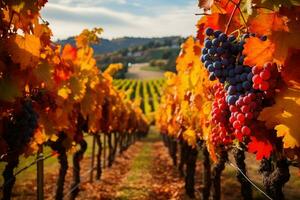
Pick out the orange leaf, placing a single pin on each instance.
(24, 50)
(216, 21)
(266, 23)
(69, 52)
(258, 52)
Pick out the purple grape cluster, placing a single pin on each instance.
(222, 57)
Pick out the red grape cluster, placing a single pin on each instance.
(243, 113)
(220, 114)
(265, 78)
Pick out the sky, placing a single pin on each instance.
(118, 18)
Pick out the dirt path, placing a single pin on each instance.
(152, 175)
(136, 72)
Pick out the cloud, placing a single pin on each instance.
(66, 20)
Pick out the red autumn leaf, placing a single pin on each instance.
(258, 52)
(261, 147)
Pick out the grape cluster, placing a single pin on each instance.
(20, 126)
(245, 87)
(220, 113)
(222, 56)
(243, 113)
(265, 78)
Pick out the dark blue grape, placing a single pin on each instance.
(247, 69)
(239, 87)
(209, 31)
(217, 33)
(225, 62)
(232, 81)
(206, 57)
(246, 85)
(211, 68)
(226, 45)
(212, 51)
(250, 76)
(230, 67)
(244, 76)
(204, 51)
(208, 44)
(202, 58)
(263, 38)
(220, 50)
(238, 69)
(231, 90)
(217, 65)
(232, 99)
(207, 63)
(218, 73)
(238, 78)
(231, 73)
(225, 72)
(222, 37)
(215, 42)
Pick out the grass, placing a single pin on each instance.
(135, 184)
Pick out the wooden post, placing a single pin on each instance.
(93, 158)
(40, 173)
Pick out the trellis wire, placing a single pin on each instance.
(248, 179)
(30, 165)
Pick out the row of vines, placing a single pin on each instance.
(51, 95)
(237, 90)
(146, 92)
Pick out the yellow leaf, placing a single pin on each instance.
(284, 117)
(64, 92)
(190, 136)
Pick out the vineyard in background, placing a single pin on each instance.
(147, 92)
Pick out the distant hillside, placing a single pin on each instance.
(108, 46)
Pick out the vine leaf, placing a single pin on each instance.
(189, 135)
(284, 117)
(258, 52)
(261, 147)
(9, 90)
(271, 22)
(24, 50)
